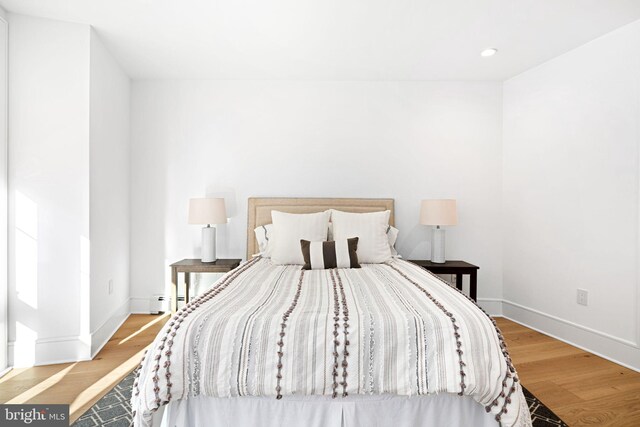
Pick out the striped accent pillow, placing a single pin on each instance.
(331, 254)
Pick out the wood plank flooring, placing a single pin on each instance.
(583, 389)
(82, 384)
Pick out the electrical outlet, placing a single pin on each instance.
(110, 286)
(583, 297)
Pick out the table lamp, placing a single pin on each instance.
(208, 211)
(438, 213)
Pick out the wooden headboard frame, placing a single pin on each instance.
(260, 211)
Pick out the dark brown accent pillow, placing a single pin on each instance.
(331, 254)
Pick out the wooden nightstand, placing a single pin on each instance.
(188, 266)
(459, 268)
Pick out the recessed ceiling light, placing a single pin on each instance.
(489, 52)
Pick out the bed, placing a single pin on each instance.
(381, 345)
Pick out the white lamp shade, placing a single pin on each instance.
(207, 211)
(438, 212)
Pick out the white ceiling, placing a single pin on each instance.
(336, 39)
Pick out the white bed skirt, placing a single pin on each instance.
(312, 411)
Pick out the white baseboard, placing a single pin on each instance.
(610, 347)
(140, 305)
(104, 332)
(48, 351)
(493, 306)
(6, 371)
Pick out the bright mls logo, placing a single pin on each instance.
(34, 415)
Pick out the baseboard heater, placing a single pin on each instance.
(160, 303)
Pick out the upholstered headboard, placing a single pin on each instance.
(260, 211)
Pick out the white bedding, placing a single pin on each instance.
(274, 331)
(441, 410)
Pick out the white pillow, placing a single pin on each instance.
(264, 234)
(370, 228)
(392, 234)
(289, 229)
(264, 238)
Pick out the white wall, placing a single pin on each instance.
(4, 318)
(571, 195)
(405, 140)
(48, 189)
(109, 195)
(68, 192)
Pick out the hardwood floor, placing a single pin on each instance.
(82, 384)
(581, 388)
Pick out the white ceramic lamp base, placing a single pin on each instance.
(208, 244)
(437, 246)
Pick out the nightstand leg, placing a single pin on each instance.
(174, 290)
(474, 285)
(459, 281)
(187, 282)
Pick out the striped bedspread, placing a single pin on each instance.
(272, 330)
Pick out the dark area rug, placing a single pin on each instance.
(541, 416)
(114, 409)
